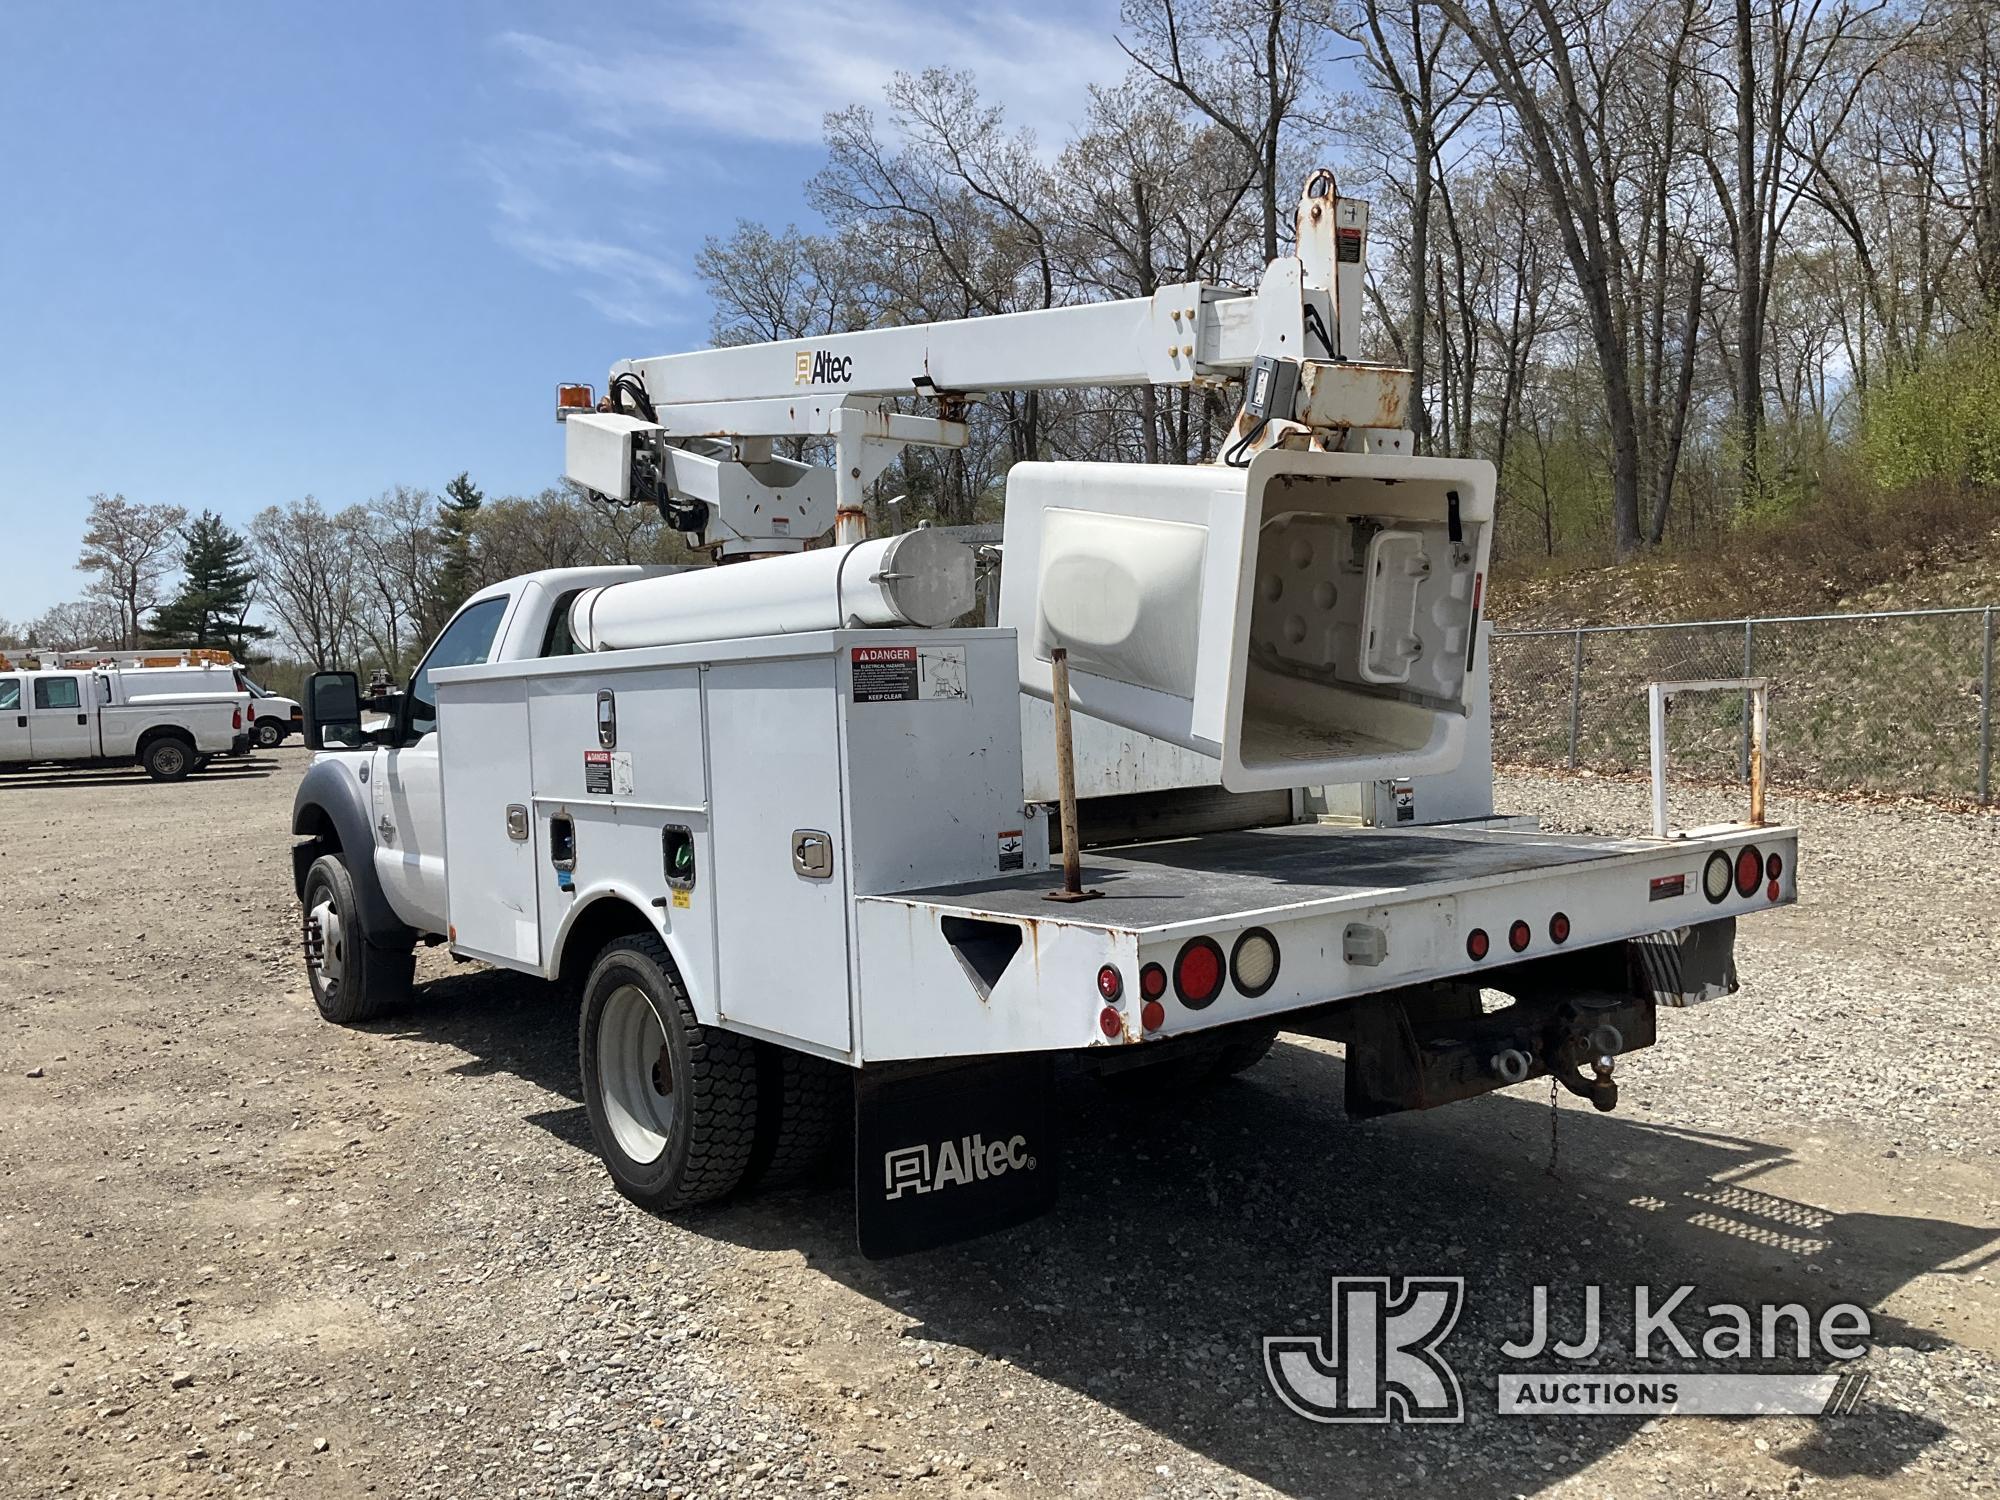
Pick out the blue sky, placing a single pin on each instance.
(250, 252)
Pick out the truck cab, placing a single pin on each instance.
(383, 793)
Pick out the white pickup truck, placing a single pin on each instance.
(97, 718)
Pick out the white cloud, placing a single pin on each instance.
(770, 71)
(647, 105)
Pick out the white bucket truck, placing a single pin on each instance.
(785, 824)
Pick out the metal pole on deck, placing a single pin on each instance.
(1072, 841)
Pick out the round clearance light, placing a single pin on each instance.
(1559, 928)
(1253, 962)
(1715, 877)
(1478, 945)
(1110, 983)
(1749, 870)
(1518, 936)
(1110, 1023)
(1152, 1015)
(1198, 972)
(1773, 891)
(1773, 867)
(1152, 982)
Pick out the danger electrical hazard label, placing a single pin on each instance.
(905, 674)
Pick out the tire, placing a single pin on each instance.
(168, 758)
(674, 1146)
(801, 1103)
(268, 735)
(352, 979)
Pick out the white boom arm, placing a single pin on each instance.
(660, 434)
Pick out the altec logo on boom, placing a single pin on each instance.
(817, 367)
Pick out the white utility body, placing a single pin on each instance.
(787, 824)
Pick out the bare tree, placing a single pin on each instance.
(133, 549)
(1245, 65)
(307, 560)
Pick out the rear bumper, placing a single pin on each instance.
(993, 968)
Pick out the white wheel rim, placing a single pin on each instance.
(635, 1075)
(326, 948)
(267, 735)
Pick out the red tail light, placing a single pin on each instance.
(1198, 972)
(1152, 982)
(1152, 1015)
(1110, 1023)
(1559, 928)
(1773, 867)
(1749, 870)
(1518, 936)
(1110, 983)
(236, 719)
(1477, 945)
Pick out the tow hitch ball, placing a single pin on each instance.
(1568, 1055)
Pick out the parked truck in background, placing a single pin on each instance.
(790, 830)
(77, 718)
(197, 670)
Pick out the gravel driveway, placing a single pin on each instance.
(245, 1252)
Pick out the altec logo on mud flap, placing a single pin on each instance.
(911, 1169)
(817, 367)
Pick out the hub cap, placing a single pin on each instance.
(170, 759)
(325, 946)
(635, 1073)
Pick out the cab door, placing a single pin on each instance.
(408, 798)
(13, 722)
(59, 718)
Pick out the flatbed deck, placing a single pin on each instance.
(1212, 876)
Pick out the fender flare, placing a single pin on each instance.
(591, 904)
(327, 795)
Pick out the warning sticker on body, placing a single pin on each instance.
(1013, 849)
(908, 674)
(607, 773)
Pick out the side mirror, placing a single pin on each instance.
(333, 711)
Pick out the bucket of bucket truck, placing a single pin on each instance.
(1309, 620)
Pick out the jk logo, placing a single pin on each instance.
(1380, 1362)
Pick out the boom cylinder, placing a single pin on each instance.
(918, 578)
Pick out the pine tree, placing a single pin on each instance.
(215, 596)
(456, 578)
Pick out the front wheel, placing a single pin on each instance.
(352, 979)
(269, 734)
(672, 1103)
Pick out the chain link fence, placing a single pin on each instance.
(1898, 703)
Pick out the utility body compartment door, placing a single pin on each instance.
(486, 770)
(781, 911)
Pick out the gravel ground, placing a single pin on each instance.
(245, 1252)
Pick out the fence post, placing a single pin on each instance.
(1749, 670)
(1986, 709)
(1576, 691)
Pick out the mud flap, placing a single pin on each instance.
(1686, 965)
(950, 1155)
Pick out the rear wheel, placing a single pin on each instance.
(352, 979)
(168, 758)
(672, 1103)
(269, 734)
(802, 1101)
